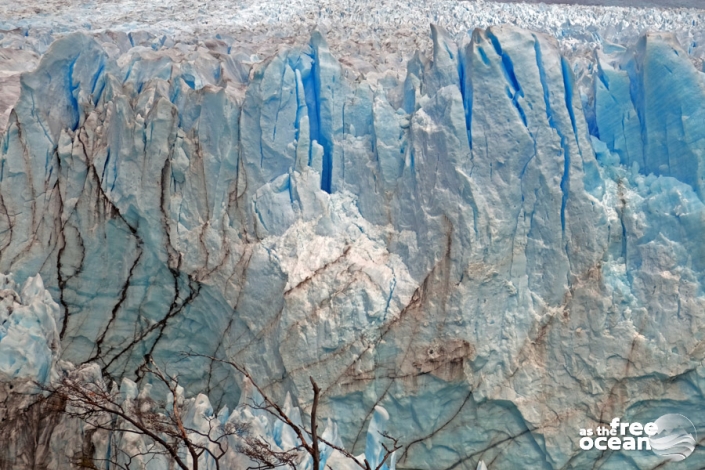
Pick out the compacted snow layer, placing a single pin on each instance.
(497, 240)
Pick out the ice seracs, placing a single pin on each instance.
(29, 334)
(475, 245)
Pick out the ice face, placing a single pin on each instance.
(366, 34)
(29, 338)
(494, 257)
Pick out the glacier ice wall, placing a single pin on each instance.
(475, 245)
(29, 337)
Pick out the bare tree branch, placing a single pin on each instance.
(315, 454)
(164, 432)
(273, 408)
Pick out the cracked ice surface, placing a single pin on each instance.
(493, 244)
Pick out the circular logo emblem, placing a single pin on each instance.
(675, 438)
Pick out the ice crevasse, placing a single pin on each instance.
(495, 255)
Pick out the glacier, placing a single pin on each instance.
(496, 243)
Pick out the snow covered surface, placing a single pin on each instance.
(496, 239)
